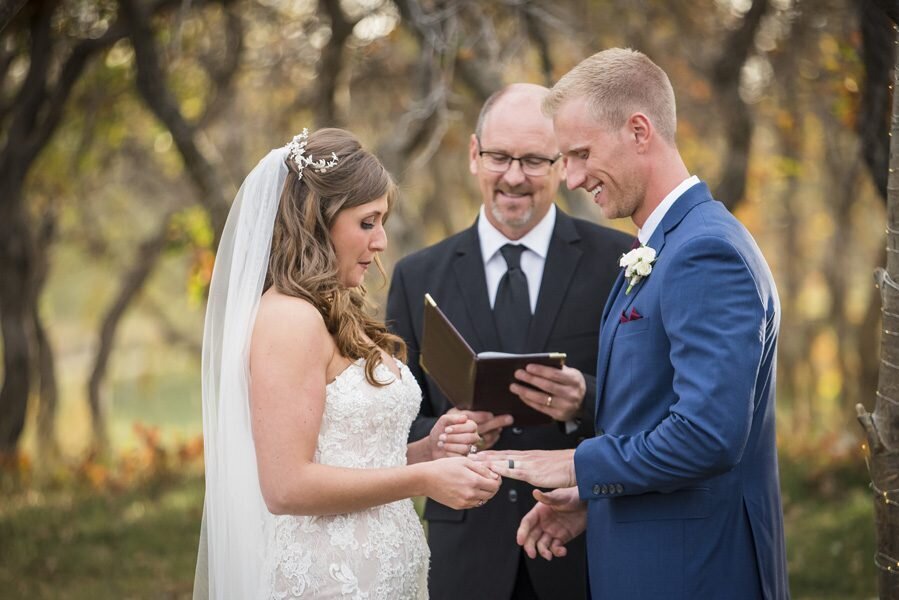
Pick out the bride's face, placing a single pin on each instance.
(358, 234)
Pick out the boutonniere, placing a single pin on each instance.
(637, 264)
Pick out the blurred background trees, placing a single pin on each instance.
(127, 125)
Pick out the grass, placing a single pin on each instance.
(81, 543)
(72, 541)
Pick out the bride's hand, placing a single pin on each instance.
(454, 434)
(460, 482)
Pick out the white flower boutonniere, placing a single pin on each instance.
(637, 264)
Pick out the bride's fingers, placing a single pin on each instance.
(458, 449)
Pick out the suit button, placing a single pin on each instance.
(596, 490)
(513, 495)
(517, 430)
(605, 489)
(619, 488)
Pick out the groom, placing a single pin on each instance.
(680, 495)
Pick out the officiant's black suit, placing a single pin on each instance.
(473, 552)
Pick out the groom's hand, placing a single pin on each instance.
(540, 468)
(558, 517)
(559, 394)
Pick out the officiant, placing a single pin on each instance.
(525, 277)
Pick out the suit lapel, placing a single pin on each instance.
(562, 259)
(469, 270)
(619, 302)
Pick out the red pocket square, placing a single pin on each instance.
(632, 317)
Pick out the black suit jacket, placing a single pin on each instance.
(473, 552)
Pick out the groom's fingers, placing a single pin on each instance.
(558, 548)
(543, 546)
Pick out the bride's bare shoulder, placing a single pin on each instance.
(281, 314)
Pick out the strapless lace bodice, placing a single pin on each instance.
(378, 553)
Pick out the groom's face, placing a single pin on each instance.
(600, 159)
(515, 201)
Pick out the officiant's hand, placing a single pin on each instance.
(454, 434)
(559, 394)
(558, 517)
(489, 425)
(540, 468)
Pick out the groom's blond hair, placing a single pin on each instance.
(617, 83)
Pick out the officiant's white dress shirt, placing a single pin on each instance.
(536, 242)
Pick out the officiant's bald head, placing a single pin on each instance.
(515, 158)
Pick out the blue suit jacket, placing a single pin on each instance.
(682, 489)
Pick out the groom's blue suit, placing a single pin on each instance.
(682, 489)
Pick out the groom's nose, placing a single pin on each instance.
(574, 175)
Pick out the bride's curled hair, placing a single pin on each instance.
(303, 263)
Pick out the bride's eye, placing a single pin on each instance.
(368, 224)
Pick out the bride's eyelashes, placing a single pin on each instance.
(368, 225)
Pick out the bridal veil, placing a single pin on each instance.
(235, 519)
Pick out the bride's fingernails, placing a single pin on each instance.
(440, 444)
(448, 430)
(442, 437)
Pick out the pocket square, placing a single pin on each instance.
(625, 318)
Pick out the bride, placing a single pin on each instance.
(306, 403)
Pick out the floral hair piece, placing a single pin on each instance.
(296, 151)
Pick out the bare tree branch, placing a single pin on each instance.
(152, 87)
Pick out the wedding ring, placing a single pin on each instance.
(480, 503)
(472, 449)
(549, 400)
(511, 464)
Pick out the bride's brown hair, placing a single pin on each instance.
(303, 263)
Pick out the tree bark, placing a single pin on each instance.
(874, 105)
(8, 11)
(882, 426)
(725, 77)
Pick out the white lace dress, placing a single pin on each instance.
(374, 554)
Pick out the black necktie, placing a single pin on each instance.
(512, 309)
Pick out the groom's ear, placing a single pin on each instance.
(640, 130)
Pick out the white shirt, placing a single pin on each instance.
(532, 259)
(659, 213)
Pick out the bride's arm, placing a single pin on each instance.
(289, 356)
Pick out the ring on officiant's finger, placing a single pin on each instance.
(511, 464)
(549, 400)
(472, 449)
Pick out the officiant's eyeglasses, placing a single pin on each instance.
(499, 162)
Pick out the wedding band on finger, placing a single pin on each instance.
(480, 503)
(511, 464)
(549, 401)
(472, 449)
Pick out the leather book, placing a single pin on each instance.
(474, 381)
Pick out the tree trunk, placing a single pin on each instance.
(16, 259)
(132, 283)
(882, 426)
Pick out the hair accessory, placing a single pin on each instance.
(296, 151)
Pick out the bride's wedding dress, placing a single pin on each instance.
(378, 553)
